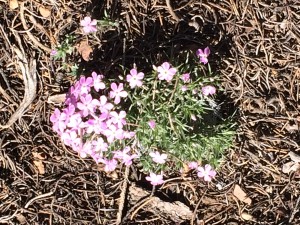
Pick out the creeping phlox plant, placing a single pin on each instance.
(165, 120)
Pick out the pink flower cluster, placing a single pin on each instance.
(89, 125)
(206, 172)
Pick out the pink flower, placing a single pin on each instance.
(105, 106)
(152, 124)
(117, 92)
(89, 25)
(128, 134)
(87, 104)
(207, 172)
(75, 120)
(184, 88)
(135, 78)
(112, 133)
(110, 165)
(118, 119)
(84, 85)
(70, 137)
(166, 72)
(158, 158)
(155, 179)
(193, 165)
(124, 156)
(98, 84)
(100, 145)
(208, 90)
(203, 54)
(53, 52)
(185, 77)
(59, 121)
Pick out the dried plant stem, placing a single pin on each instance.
(122, 196)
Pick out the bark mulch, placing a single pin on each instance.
(255, 49)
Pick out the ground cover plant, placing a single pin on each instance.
(171, 117)
(48, 47)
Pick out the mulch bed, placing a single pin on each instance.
(255, 49)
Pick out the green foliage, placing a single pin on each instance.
(176, 133)
(65, 48)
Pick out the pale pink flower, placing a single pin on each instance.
(112, 133)
(184, 88)
(135, 78)
(69, 137)
(110, 165)
(105, 106)
(118, 118)
(128, 134)
(125, 156)
(117, 92)
(89, 25)
(75, 120)
(208, 90)
(203, 54)
(152, 124)
(155, 179)
(207, 172)
(53, 52)
(98, 83)
(158, 158)
(185, 77)
(166, 72)
(193, 165)
(100, 145)
(87, 104)
(58, 119)
(84, 85)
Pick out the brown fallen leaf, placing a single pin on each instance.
(45, 12)
(84, 50)
(241, 195)
(13, 4)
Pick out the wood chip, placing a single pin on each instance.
(40, 166)
(294, 157)
(246, 216)
(57, 99)
(241, 195)
(13, 4)
(45, 12)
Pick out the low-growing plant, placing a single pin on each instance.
(163, 120)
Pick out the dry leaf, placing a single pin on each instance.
(85, 50)
(241, 195)
(45, 12)
(40, 166)
(21, 218)
(294, 157)
(13, 4)
(57, 99)
(246, 216)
